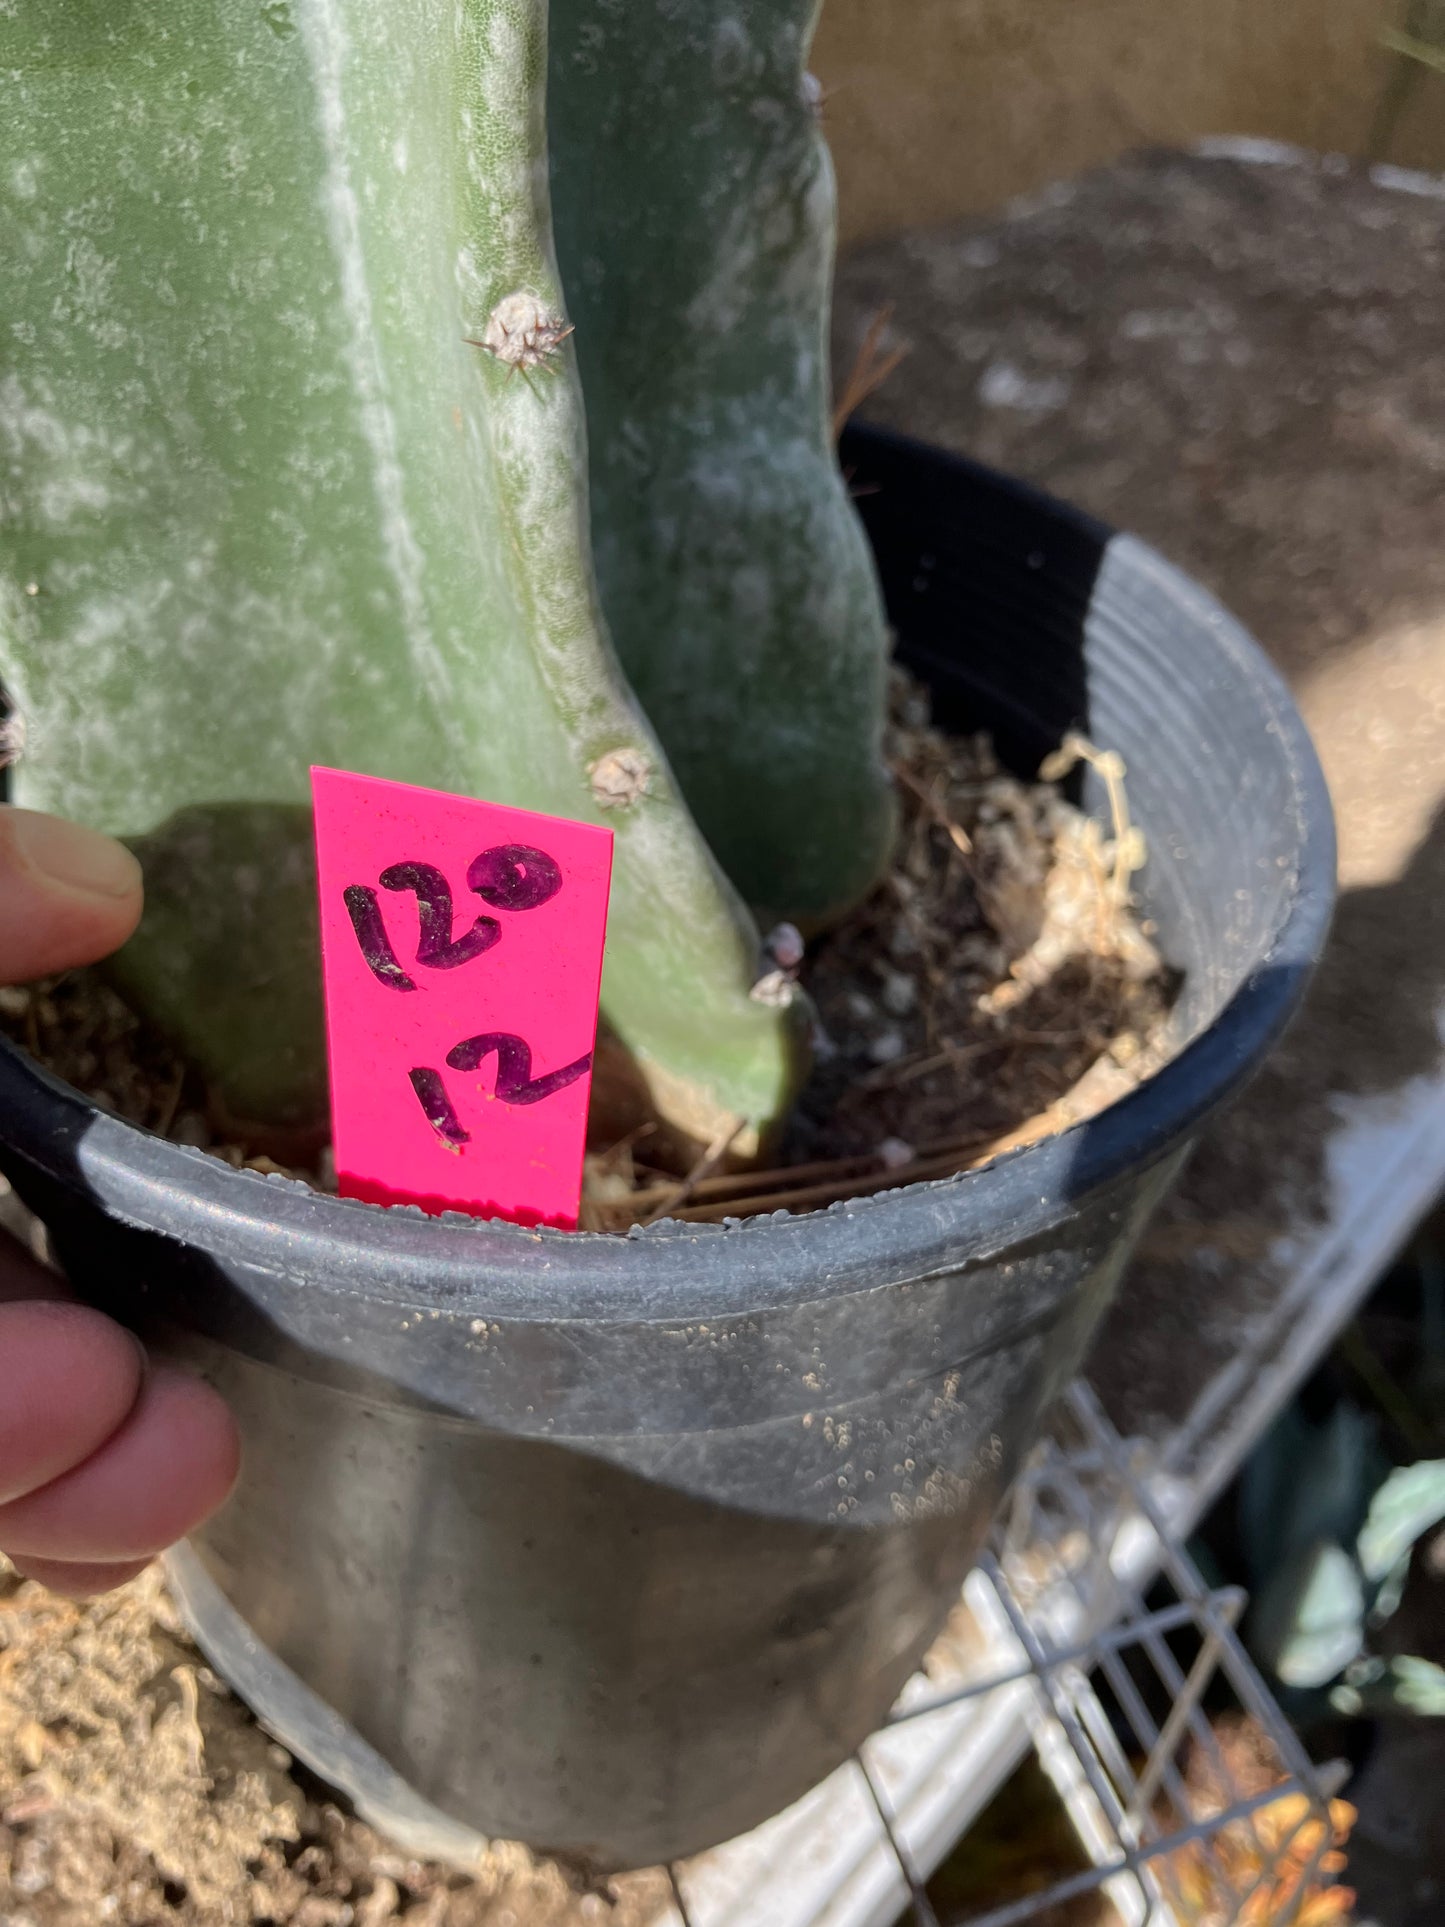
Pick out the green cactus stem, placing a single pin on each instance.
(695, 209)
(293, 470)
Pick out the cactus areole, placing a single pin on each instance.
(314, 448)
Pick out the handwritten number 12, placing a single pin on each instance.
(515, 1083)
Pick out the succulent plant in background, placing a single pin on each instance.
(1329, 1530)
(438, 391)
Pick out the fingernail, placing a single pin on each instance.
(71, 854)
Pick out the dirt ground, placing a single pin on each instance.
(135, 1789)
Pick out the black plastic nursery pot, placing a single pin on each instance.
(617, 1545)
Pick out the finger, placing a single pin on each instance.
(68, 895)
(69, 1378)
(173, 1461)
(78, 1581)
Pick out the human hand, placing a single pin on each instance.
(105, 1458)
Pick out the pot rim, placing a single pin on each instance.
(669, 1270)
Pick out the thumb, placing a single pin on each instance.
(68, 895)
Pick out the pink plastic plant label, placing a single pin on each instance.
(461, 947)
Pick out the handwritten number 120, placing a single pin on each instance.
(513, 876)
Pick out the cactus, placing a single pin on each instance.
(696, 246)
(295, 471)
(1329, 1529)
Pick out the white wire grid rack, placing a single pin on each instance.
(1056, 1646)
